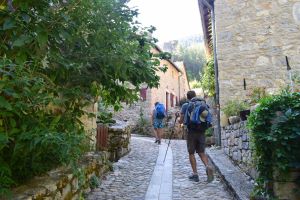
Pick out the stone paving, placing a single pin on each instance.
(132, 176)
(184, 189)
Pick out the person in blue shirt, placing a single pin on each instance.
(158, 124)
(195, 143)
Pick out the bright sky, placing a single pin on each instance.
(173, 19)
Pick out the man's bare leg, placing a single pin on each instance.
(209, 169)
(193, 163)
(204, 158)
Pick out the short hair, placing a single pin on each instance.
(156, 103)
(190, 94)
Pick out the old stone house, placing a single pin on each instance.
(173, 87)
(253, 40)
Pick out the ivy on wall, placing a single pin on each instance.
(208, 77)
(275, 132)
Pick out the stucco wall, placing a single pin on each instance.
(169, 82)
(253, 38)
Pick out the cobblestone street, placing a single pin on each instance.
(143, 175)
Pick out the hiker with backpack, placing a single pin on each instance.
(196, 118)
(158, 115)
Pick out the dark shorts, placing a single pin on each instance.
(195, 142)
(158, 123)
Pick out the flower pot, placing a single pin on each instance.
(234, 119)
(244, 114)
(224, 120)
(210, 140)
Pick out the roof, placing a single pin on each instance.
(206, 21)
(172, 63)
(183, 69)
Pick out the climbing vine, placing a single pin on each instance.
(56, 57)
(275, 132)
(208, 77)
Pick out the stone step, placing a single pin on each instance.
(238, 182)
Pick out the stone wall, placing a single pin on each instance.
(236, 145)
(90, 124)
(253, 38)
(137, 116)
(118, 140)
(62, 184)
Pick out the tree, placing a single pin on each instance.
(193, 58)
(63, 54)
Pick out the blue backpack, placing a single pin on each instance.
(160, 111)
(197, 116)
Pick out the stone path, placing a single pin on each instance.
(143, 175)
(183, 189)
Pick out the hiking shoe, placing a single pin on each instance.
(210, 174)
(194, 177)
(158, 142)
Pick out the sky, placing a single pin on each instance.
(173, 19)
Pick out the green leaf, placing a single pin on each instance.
(42, 38)
(54, 122)
(26, 18)
(3, 140)
(5, 104)
(12, 123)
(23, 39)
(8, 24)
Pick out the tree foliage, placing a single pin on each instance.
(57, 56)
(193, 58)
(208, 78)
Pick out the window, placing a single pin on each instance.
(167, 101)
(172, 100)
(143, 94)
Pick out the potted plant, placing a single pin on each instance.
(244, 114)
(233, 108)
(209, 134)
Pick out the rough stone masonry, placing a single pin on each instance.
(253, 38)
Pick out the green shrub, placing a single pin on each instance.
(257, 94)
(195, 84)
(233, 107)
(209, 132)
(275, 130)
(94, 182)
(104, 116)
(208, 78)
(143, 124)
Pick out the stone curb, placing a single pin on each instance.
(237, 182)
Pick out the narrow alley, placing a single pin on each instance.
(142, 174)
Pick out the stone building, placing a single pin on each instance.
(173, 87)
(253, 39)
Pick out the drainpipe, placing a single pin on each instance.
(179, 81)
(213, 22)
